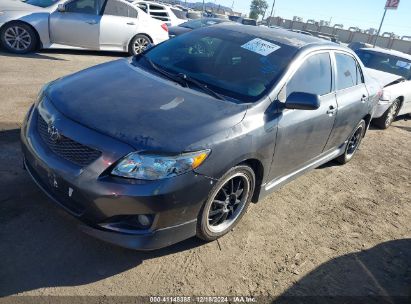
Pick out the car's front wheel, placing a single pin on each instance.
(226, 204)
(388, 117)
(353, 143)
(138, 44)
(18, 37)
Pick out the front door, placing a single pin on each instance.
(303, 134)
(78, 25)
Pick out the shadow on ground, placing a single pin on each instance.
(41, 245)
(381, 274)
(50, 54)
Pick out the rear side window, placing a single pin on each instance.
(348, 74)
(117, 8)
(313, 76)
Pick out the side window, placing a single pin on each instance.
(313, 76)
(117, 8)
(92, 7)
(348, 74)
(158, 12)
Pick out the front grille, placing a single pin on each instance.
(67, 148)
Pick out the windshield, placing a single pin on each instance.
(386, 63)
(231, 63)
(41, 3)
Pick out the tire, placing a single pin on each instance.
(353, 143)
(18, 38)
(388, 117)
(227, 201)
(138, 44)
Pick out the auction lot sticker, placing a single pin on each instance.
(260, 46)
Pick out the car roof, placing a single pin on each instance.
(283, 36)
(388, 52)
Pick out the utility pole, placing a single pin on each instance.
(379, 29)
(271, 14)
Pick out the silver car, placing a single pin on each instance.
(110, 25)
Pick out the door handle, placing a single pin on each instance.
(331, 111)
(91, 22)
(131, 23)
(364, 98)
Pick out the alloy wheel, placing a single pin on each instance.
(228, 203)
(354, 141)
(392, 112)
(17, 38)
(140, 44)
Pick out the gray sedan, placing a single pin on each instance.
(111, 25)
(173, 143)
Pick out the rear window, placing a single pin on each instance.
(179, 14)
(233, 64)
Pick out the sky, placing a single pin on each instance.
(362, 13)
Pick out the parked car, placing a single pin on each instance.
(172, 16)
(247, 21)
(192, 25)
(151, 150)
(109, 25)
(393, 71)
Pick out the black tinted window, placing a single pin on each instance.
(91, 7)
(314, 76)
(117, 8)
(386, 63)
(179, 14)
(346, 71)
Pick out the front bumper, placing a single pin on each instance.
(96, 198)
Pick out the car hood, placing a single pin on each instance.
(142, 109)
(17, 5)
(383, 78)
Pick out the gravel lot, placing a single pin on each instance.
(339, 230)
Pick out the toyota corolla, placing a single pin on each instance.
(177, 141)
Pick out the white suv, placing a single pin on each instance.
(172, 16)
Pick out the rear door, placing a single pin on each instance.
(79, 25)
(303, 134)
(119, 24)
(352, 97)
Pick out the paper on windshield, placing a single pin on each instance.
(260, 46)
(403, 64)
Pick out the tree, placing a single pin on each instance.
(257, 8)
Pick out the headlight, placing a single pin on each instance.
(153, 167)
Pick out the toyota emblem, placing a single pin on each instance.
(53, 133)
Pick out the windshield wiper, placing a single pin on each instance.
(200, 85)
(169, 75)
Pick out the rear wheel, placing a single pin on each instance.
(138, 44)
(388, 117)
(18, 37)
(227, 203)
(353, 143)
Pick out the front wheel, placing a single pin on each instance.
(226, 204)
(138, 44)
(388, 117)
(18, 38)
(353, 143)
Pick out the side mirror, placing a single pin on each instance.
(302, 101)
(61, 8)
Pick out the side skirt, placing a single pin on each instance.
(280, 181)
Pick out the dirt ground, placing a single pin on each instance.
(338, 230)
